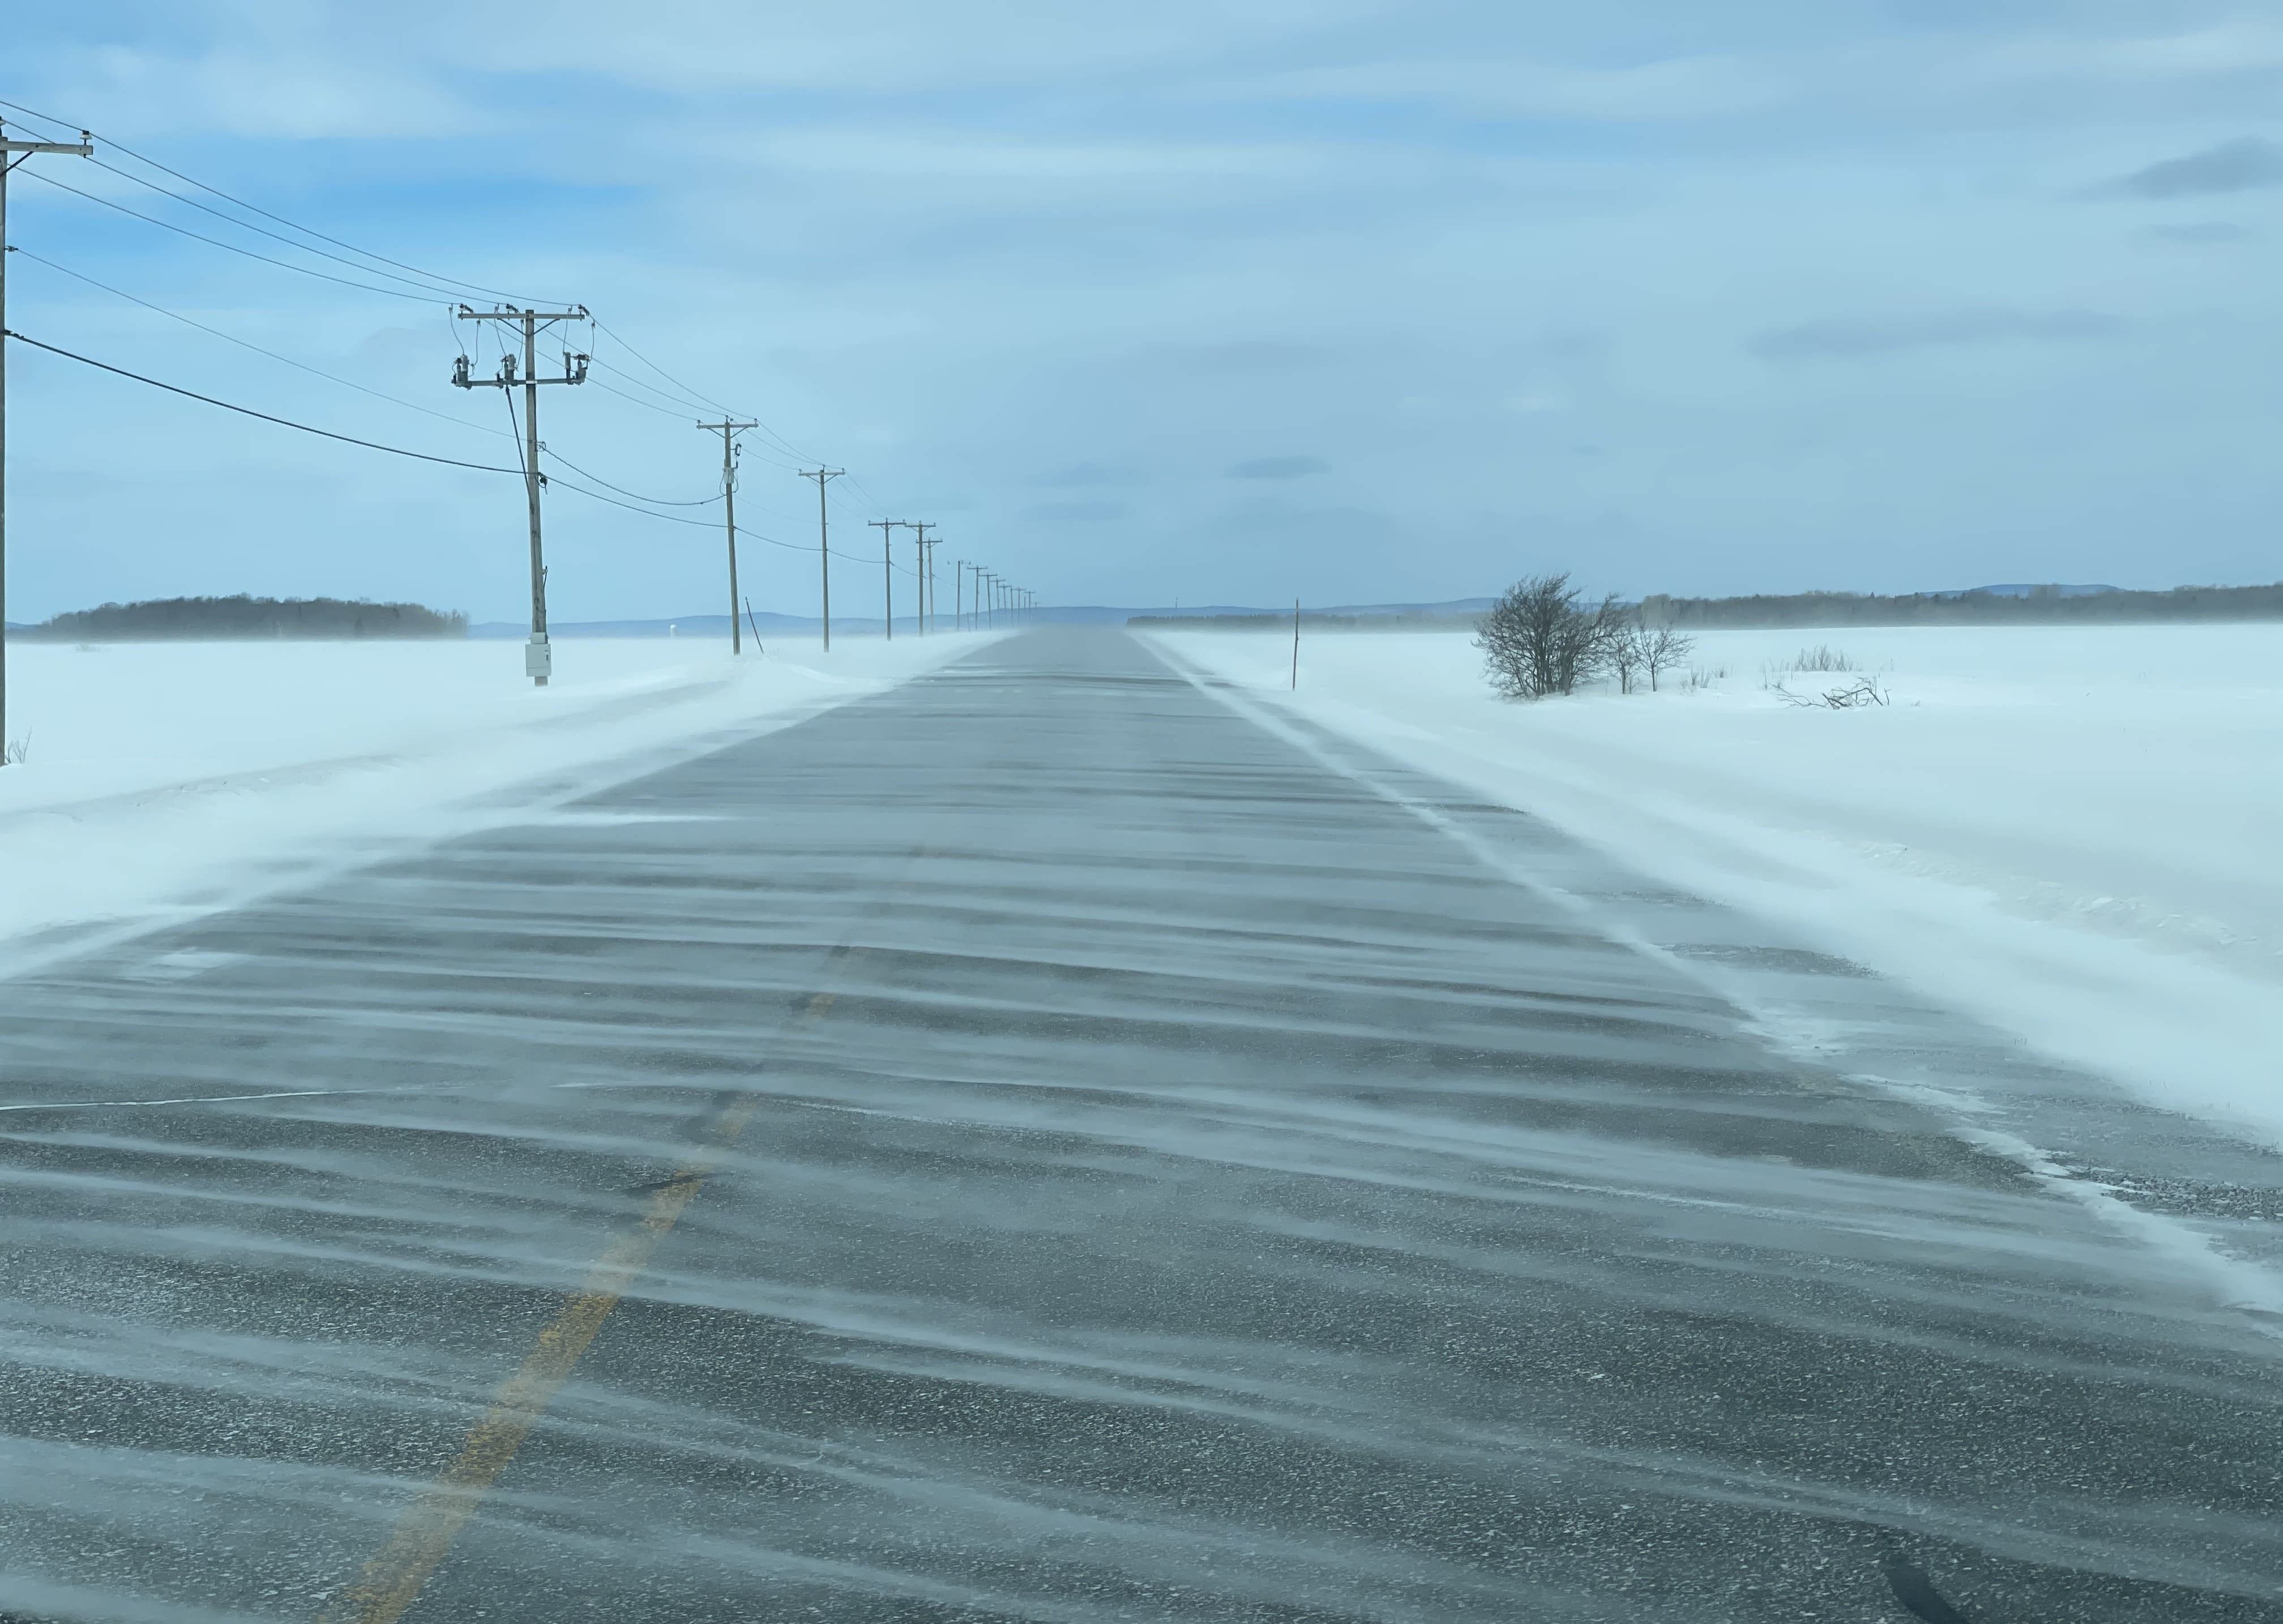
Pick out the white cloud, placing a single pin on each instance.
(1675, 88)
(300, 93)
(922, 46)
(2238, 47)
(966, 154)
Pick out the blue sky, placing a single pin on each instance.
(1237, 301)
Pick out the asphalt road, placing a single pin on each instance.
(1036, 1145)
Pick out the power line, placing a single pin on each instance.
(682, 403)
(789, 448)
(703, 501)
(675, 518)
(350, 439)
(637, 399)
(661, 372)
(168, 225)
(670, 518)
(430, 283)
(663, 411)
(256, 208)
(426, 286)
(245, 344)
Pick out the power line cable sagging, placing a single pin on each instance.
(168, 225)
(391, 278)
(460, 287)
(246, 344)
(370, 444)
(247, 411)
(662, 501)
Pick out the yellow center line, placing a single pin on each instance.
(425, 1529)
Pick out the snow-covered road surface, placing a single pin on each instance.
(1038, 1143)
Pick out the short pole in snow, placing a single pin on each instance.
(1296, 645)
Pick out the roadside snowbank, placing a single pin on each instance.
(167, 778)
(2070, 833)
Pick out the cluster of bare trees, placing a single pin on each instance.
(1542, 638)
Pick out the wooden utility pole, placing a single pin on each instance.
(958, 595)
(919, 575)
(928, 571)
(12, 153)
(730, 431)
(887, 577)
(538, 657)
(824, 543)
(1296, 645)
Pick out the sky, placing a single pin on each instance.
(1236, 302)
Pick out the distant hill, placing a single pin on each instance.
(240, 618)
(2029, 589)
(1981, 606)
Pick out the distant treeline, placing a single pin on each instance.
(2040, 606)
(2037, 606)
(161, 619)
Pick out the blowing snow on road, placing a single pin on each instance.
(1052, 1141)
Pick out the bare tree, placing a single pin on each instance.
(1663, 649)
(1518, 636)
(1538, 638)
(1629, 655)
(1592, 641)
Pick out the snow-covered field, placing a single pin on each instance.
(169, 778)
(2074, 833)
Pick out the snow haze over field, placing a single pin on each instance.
(2066, 832)
(165, 777)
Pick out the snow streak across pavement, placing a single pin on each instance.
(1034, 1145)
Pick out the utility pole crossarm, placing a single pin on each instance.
(84, 147)
(508, 314)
